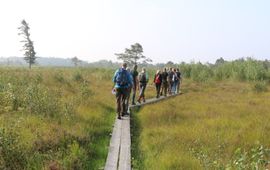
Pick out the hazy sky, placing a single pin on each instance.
(176, 30)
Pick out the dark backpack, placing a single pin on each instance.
(170, 76)
(178, 75)
(122, 77)
(142, 78)
(175, 77)
(164, 76)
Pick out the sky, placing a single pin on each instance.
(168, 30)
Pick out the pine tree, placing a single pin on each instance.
(28, 47)
(133, 55)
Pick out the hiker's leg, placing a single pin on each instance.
(140, 93)
(134, 94)
(144, 87)
(169, 87)
(161, 90)
(158, 92)
(172, 84)
(118, 101)
(123, 103)
(177, 87)
(166, 89)
(143, 90)
(127, 99)
(173, 87)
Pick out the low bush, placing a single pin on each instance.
(12, 154)
(260, 87)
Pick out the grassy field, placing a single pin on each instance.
(61, 118)
(55, 118)
(215, 125)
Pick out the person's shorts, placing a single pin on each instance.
(121, 91)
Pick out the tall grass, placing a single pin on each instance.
(243, 70)
(222, 125)
(55, 118)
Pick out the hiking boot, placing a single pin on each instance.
(139, 101)
(144, 100)
(119, 117)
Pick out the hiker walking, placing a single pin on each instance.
(134, 74)
(175, 81)
(143, 80)
(180, 79)
(169, 79)
(128, 92)
(164, 82)
(122, 81)
(158, 81)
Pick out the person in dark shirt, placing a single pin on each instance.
(134, 74)
(180, 80)
(164, 84)
(143, 80)
(170, 81)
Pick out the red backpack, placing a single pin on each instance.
(157, 79)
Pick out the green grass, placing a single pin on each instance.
(62, 117)
(55, 117)
(216, 125)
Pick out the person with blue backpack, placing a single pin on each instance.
(122, 82)
(128, 91)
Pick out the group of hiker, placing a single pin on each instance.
(126, 81)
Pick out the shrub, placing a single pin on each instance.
(77, 77)
(260, 87)
(12, 155)
(59, 77)
(85, 91)
(11, 96)
(76, 156)
(40, 100)
(201, 73)
(255, 158)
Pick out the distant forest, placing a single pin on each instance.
(241, 69)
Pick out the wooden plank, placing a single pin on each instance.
(125, 148)
(112, 158)
(153, 100)
(119, 156)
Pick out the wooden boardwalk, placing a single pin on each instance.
(119, 155)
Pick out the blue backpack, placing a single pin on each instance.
(122, 77)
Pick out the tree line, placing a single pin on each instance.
(244, 69)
